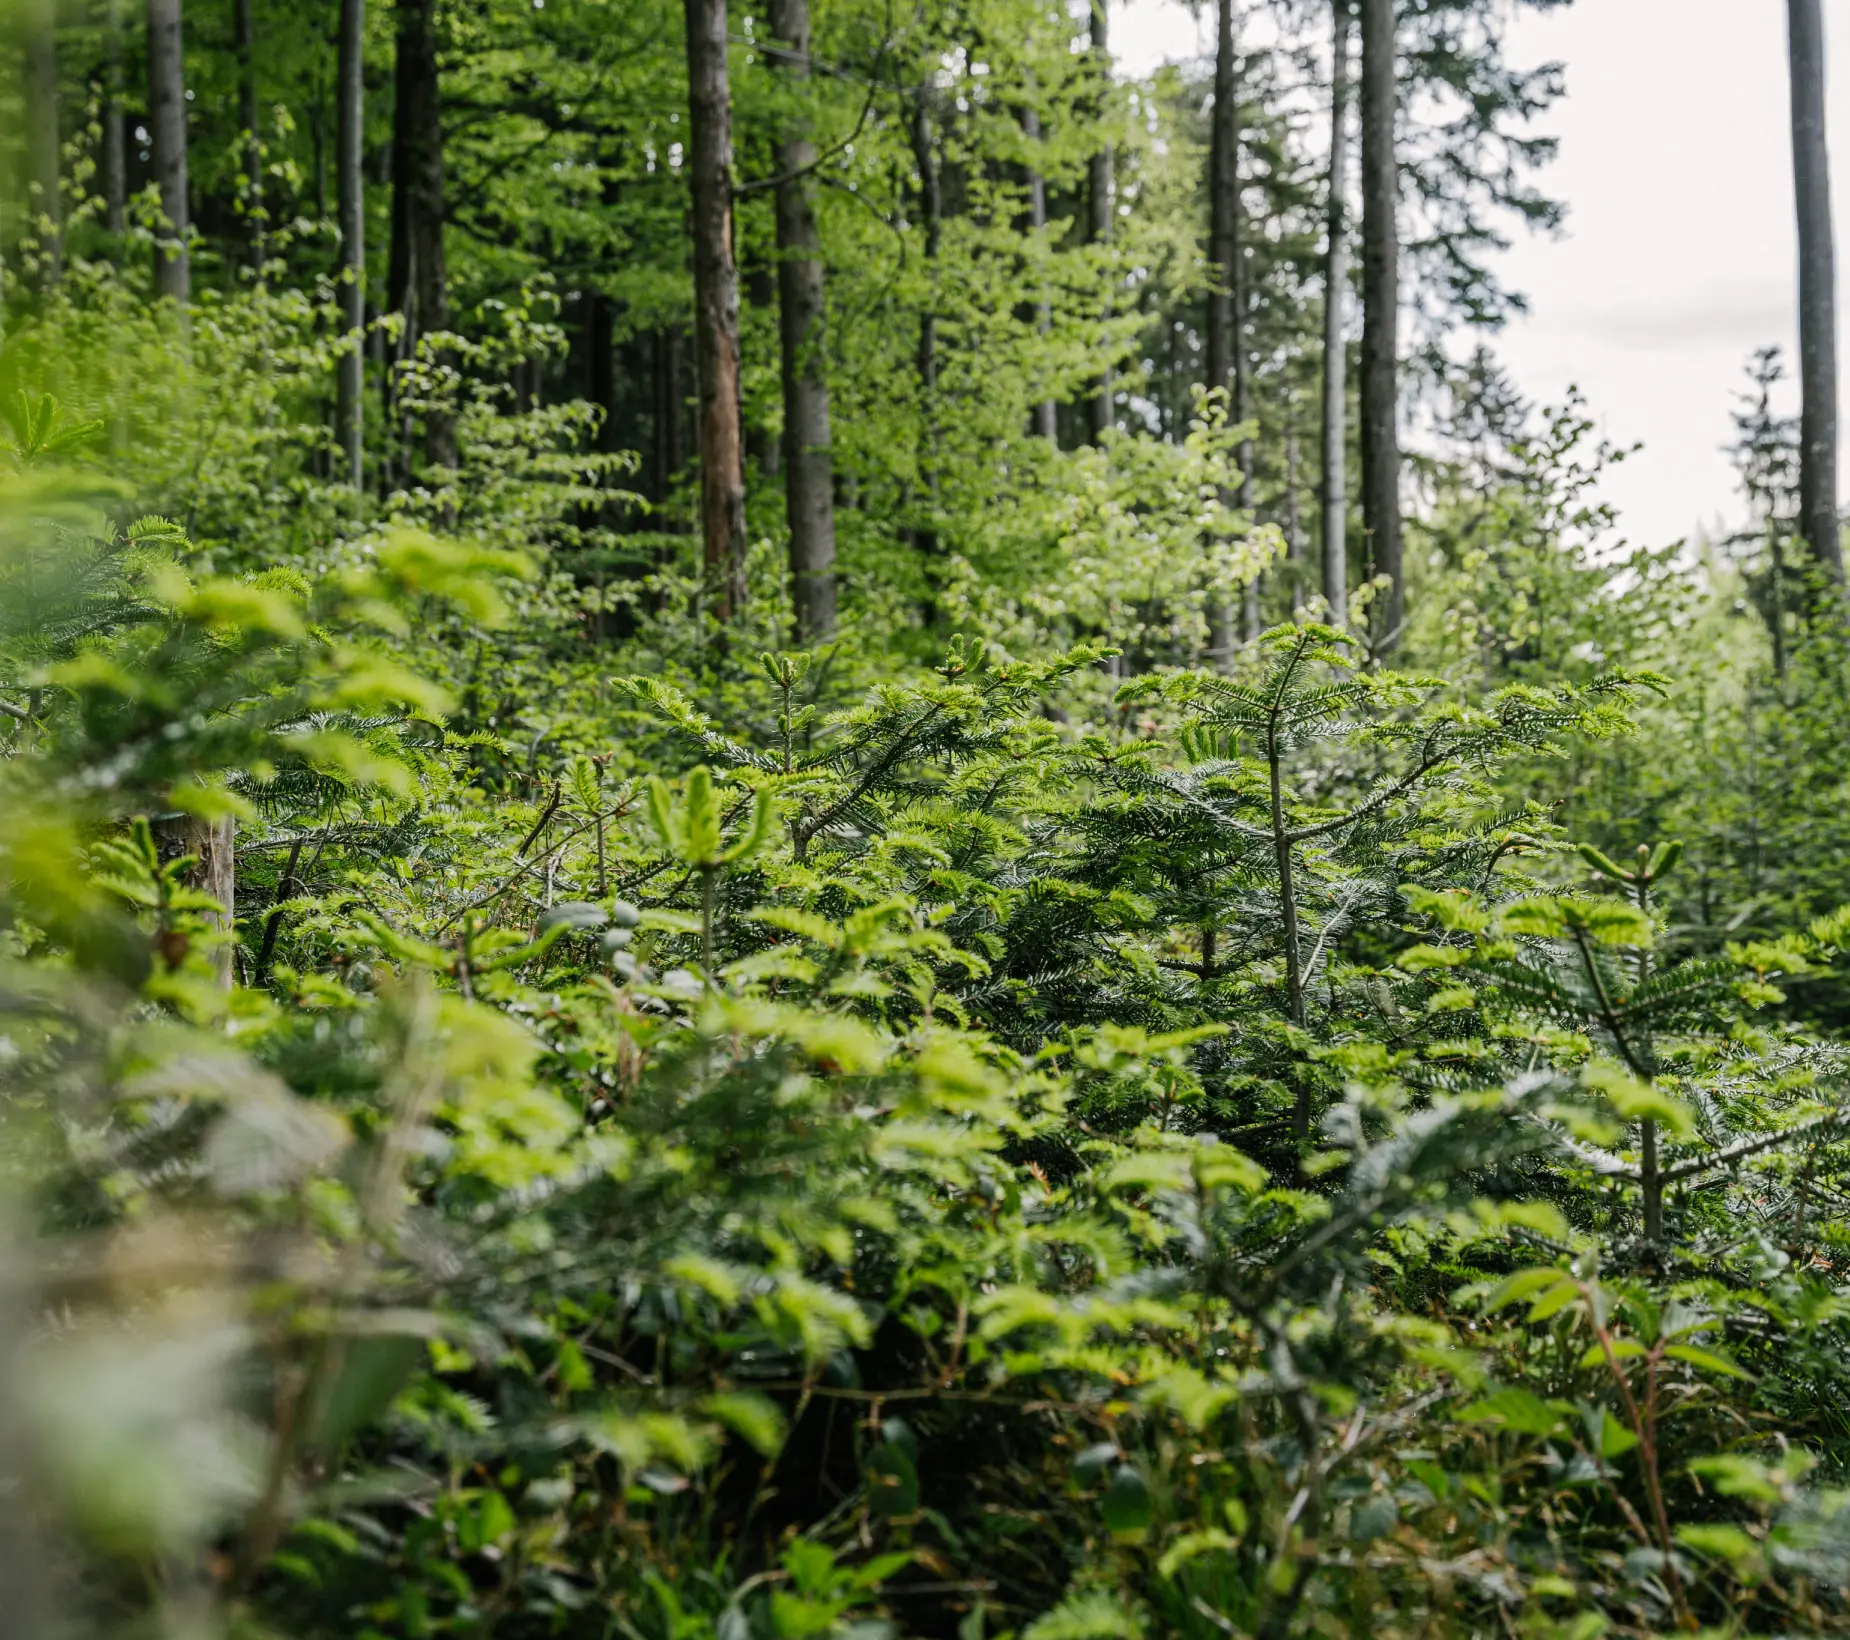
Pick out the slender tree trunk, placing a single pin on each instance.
(1044, 417)
(931, 215)
(113, 162)
(1228, 365)
(1335, 475)
(809, 473)
(173, 275)
(716, 307)
(1381, 318)
(350, 118)
(1294, 525)
(1811, 169)
(1099, 192)
(244, 29)
(419, 277)
(39, 25)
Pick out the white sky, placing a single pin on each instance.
(1678, 255)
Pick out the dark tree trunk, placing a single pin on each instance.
(1381, 319)
(245, 33)
(1294, 524)
(350, 120)
(1811, 168)
(418, 277)
(1044, 417)
(764, 452)
(173, 274)
(1334, 485)
(114, 159)
(39, 25)
(601, 364)
(809, 472)
(1099, 414)
(716, 307)
(1228, 364)
(670, 412)
(213, 846)
(931, 216)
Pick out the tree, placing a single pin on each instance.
(114, 159)
(173, 272)
(1381, 317)
(1228, 366)
(39, 25)
(1811, 172)
(350, 99)
(716, 306)
(244, 30)
(1045, 417)
(417, 283)
(1100, 201)
(809, 478)
(1334, 484)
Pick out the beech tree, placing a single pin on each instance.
(1380, 407)
(1099, 201)
(1811, 172)
(350, 186)
(809, 478)
(173, 269)
(1228, 367)
(1334, 475)
(716, 306)
(417, 281)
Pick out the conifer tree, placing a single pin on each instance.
(1334, 454)
(1380, 406)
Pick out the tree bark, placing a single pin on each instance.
(1811, 169)
(350, 122)
(173, 272)
(931, 215)
(1044, 417)
(244, 30)
(1381, 319)
(418, 276)
(716, 307)
(809, 474)
(213, 846)
(1099, 407)
(114, 160)
(1228, 365)
(39, 24)
(1334, 484)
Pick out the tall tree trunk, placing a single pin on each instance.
(716, 307)
(418, 276)
(809, 471)
(39, 25)
(1228, 364)
(350, 132)
(931, 215)
(1334, 484)
(1044, 417)
(1381, 319)
(1294, 524)
(173, 272)
(1099, 207)
(1811, 169)
(114, 159)
(244, 30)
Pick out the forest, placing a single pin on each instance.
(827, 824)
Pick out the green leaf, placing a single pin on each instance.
(1127, 1505)
(1515, 1409)
(1707, 1360)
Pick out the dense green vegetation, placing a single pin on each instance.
(576, 1064)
